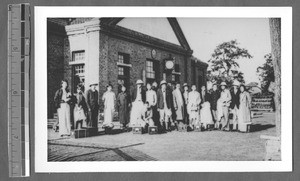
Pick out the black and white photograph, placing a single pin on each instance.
(205, 86)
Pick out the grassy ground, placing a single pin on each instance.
(173, 146)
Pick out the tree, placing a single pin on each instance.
(275, 32)
(224, 65)
(266, 72)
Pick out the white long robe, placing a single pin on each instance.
(137, 112)
(205, 114)
(193, 106)
(64, 116)
(224, 97)
(244, 114)
(178, 103)
(109, 99)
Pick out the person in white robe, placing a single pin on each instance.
(62, 97)
(223, 106)
(244, 113)
(109, 99)
(178, 103)
(194, 101)
(138, 97)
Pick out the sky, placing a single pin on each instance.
(204, 34)
(252, 34)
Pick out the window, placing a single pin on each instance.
(124, 65)
(123, 58)
(78, 56)
(121, 71)
(150, 73)
(78, 75)
(173, 78)
(79, 69)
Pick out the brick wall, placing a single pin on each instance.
(109, 49)
(55, 67)
(67, 67)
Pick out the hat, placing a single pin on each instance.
(163, 82)
(93, 84)
(139, 81)
(185, 85)
(236, 83)
(223, 83)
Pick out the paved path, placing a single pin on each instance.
(174, 146)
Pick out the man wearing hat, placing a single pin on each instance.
(214, 97)
(138, 98)
(235, 103)
(223, 104)
(164, 100)
(185, 94)
(92, 105)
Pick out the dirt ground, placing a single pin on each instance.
(174, 146)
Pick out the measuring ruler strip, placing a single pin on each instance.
(18, 89)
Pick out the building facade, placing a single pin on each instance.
(105, 51)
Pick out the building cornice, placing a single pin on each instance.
(83, 28)
(137, 37)
(109, 28)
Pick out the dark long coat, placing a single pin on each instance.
(214, 96)
(123, 101)
(93, 106)
(235, 99)
(160, 99)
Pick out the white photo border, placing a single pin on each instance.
(41, 148)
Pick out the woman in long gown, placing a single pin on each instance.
(109, 99)
(61, 99)
(245, 104)
(138, 99)
(205, 112)
(123, 106)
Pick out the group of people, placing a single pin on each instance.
(164, 105)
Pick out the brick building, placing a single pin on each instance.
(118, 51)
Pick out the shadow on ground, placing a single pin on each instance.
(260, 127)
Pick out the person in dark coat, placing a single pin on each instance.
(235, 104)
(80, 108)
(205, 96)
(123, 103)
(214, 96)
(205, 111)
(154, 108)
(185, 94)
(164, 102)
(62, 100)
(92, 105)
(170, 88)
